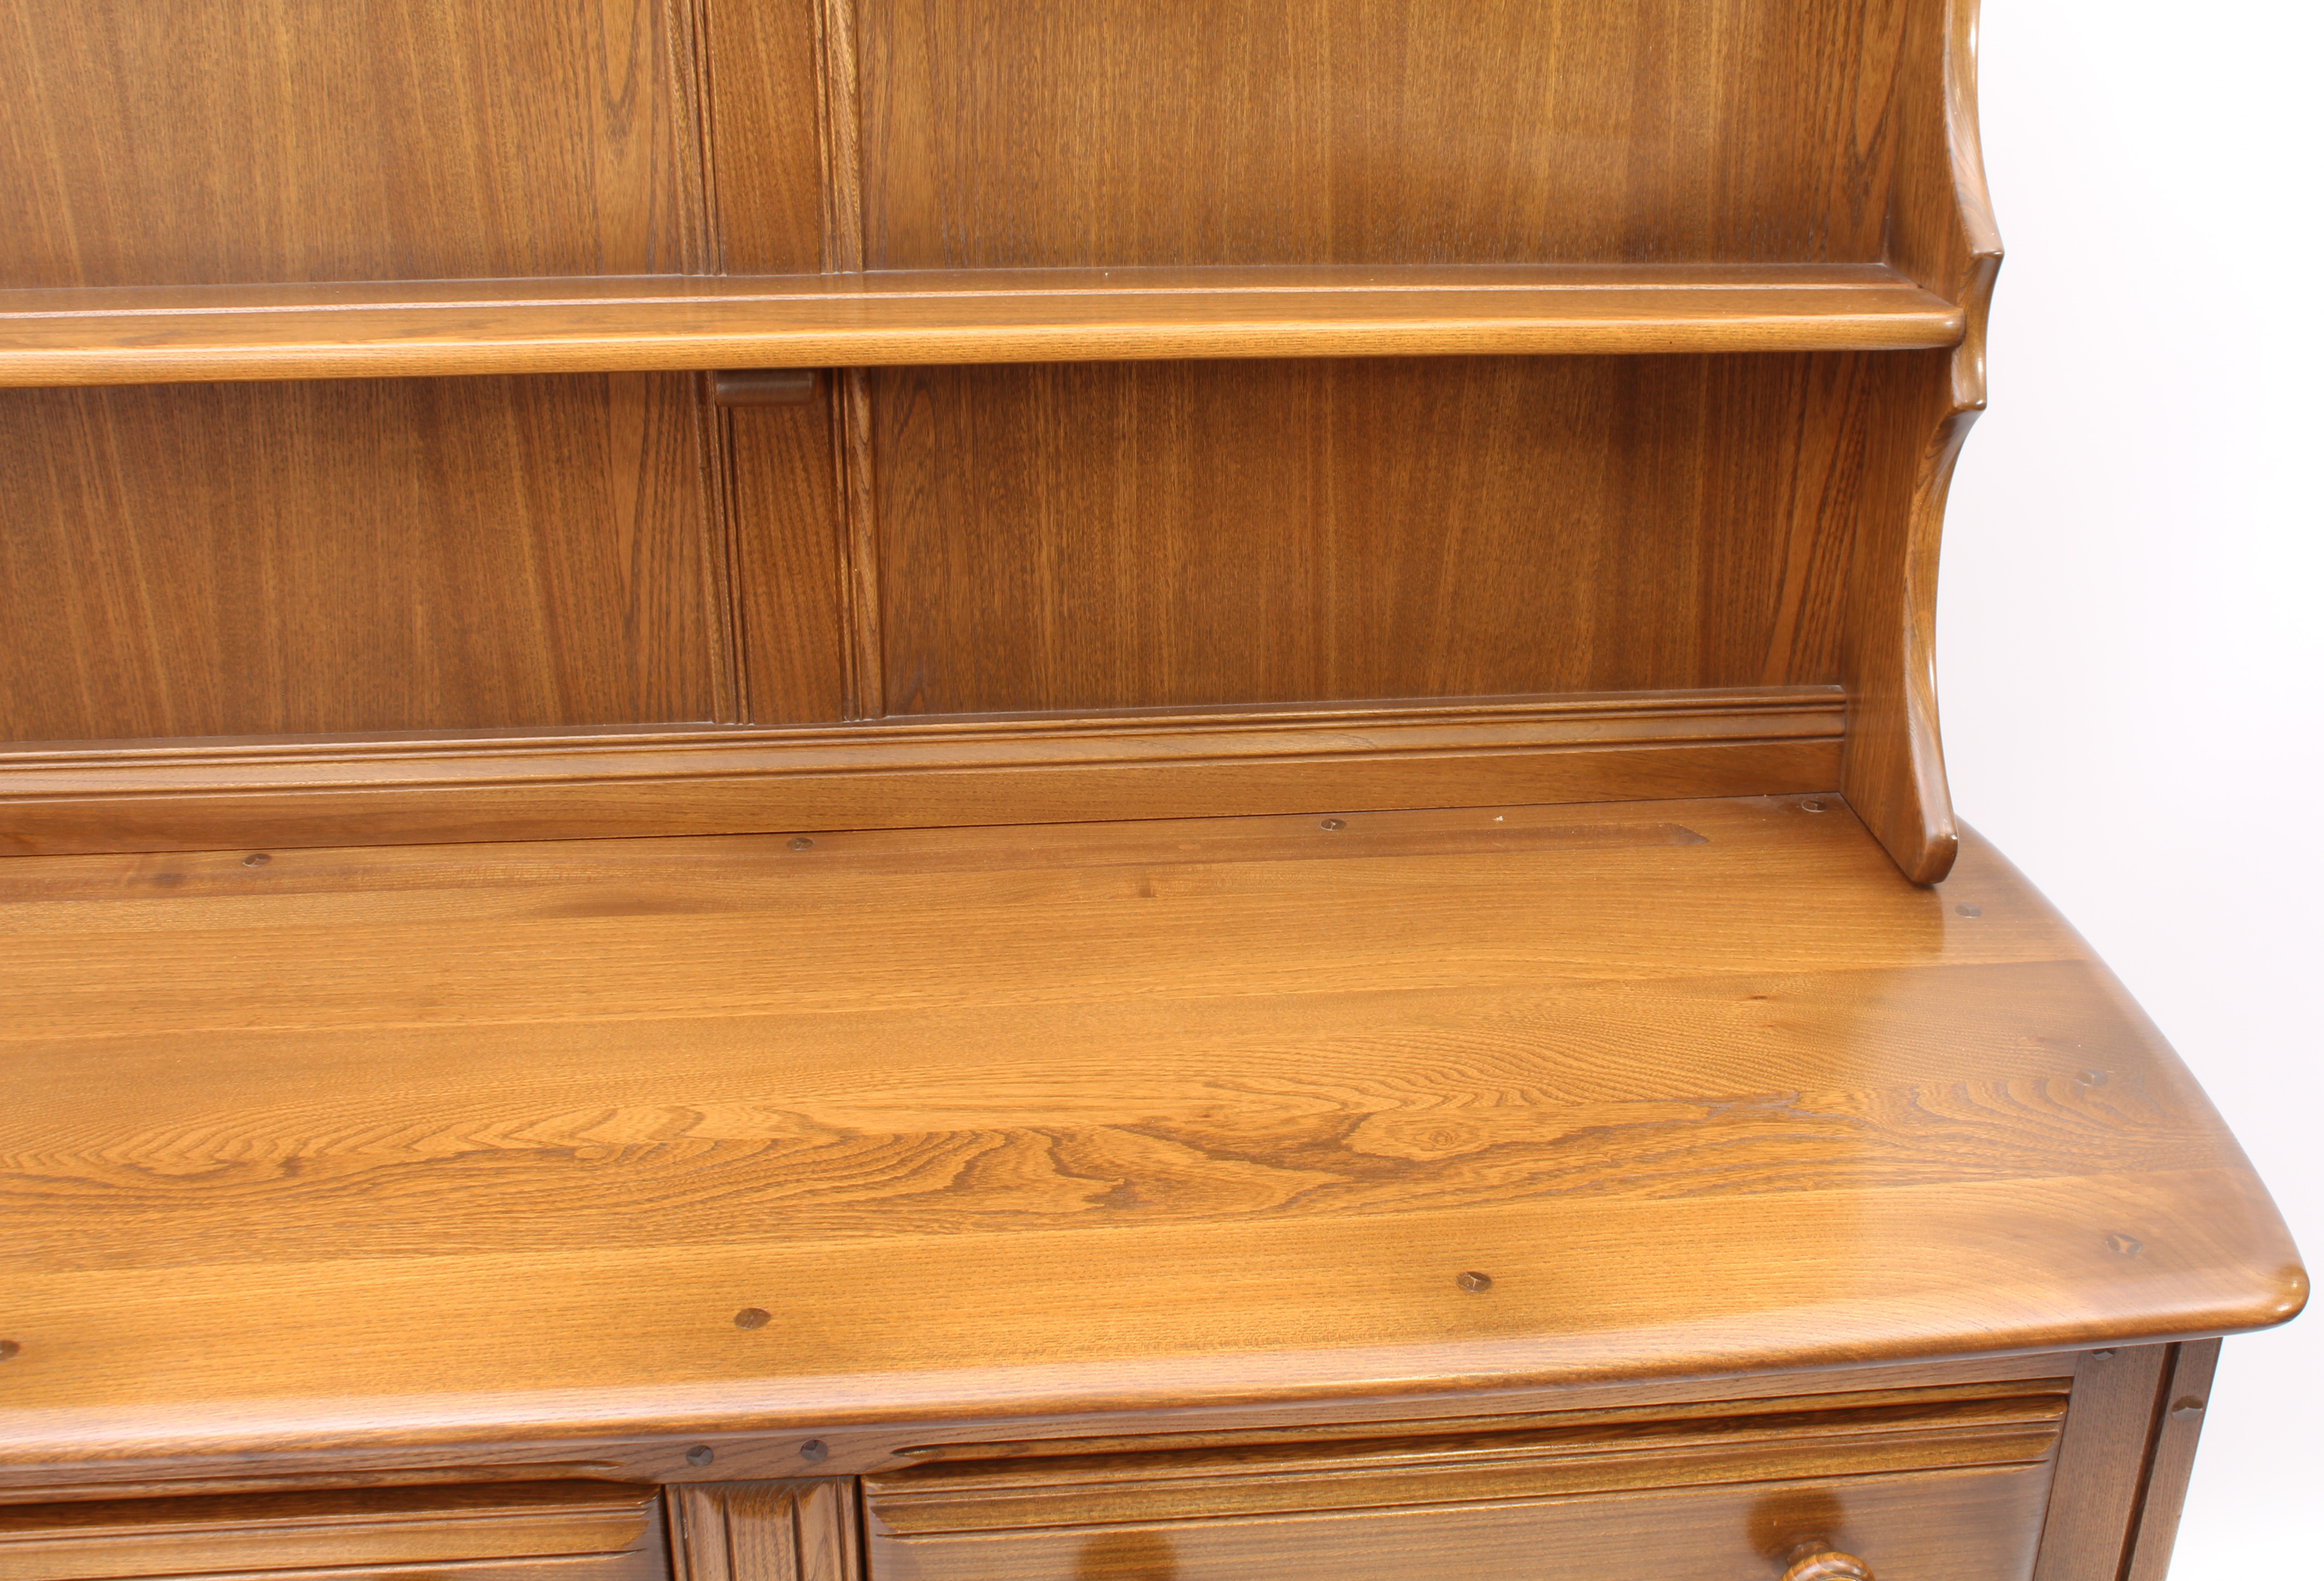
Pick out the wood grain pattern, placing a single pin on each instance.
(558, 1568)
(1482, 1191)
(401, 790)
(1910, 1526)
(1181, 535)
(147, 1538)
(861, 578)
(2102, 1464)
(1021, 1121)
(228, 560)
(215, 141)
(1819, 1438)
(784, 486)
(1895, 771)
(797, 1530)
(1942, 235)
(644, 325)
(639, 1452)
(762, 120)
(2183, 1400)
(1048, 134)
(838, 54)
(764, 127)
(1923, 1402)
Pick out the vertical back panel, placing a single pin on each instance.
(769, 132)
(1160, 534)
(212, 142)
(765, 89)
(231, 559)
(784, 496)
(1052, 132)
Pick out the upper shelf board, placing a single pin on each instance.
(161, 334)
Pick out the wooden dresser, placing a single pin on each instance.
(1037, 790)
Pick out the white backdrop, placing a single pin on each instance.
(2130, 644)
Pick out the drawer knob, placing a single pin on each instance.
(1815, 1562)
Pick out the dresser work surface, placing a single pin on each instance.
(355, 1149)
(1037, 790)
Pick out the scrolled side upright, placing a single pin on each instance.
(1941, 234)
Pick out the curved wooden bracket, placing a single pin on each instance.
(1942, 235)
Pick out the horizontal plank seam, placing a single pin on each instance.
(112, 791)
(1746, 703)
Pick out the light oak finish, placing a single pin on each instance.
(142, 336)
(585, 1530)
(408, 790)
(1025, 1121)
(795, 1530)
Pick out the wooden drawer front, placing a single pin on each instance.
(539, 1531)
(1942, 1526)
(1953, 1491)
